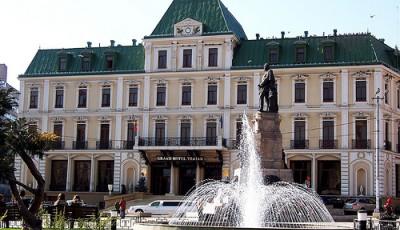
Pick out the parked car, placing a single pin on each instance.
(158, 207)
(352, 205)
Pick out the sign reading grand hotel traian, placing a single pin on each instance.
(181, 158)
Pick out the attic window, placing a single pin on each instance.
(300, 54)
(329, 53)
(110, 62)
(62, 63)
(86, 63)
(273, 56)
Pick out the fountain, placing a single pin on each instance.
(255, 197)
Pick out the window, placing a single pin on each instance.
(58, 175)
(133, 96)
(299, 141)
(328, 135)
(213, 57)
(328, 53)
(398, 99)
(161, 95)
(273, 56)
(131, 134)
(160, 133)
(105, 175)
(104, 136)
(301, 170)
(106, 96)
(82, 175)
(361, 134)
(34, 98)
(59, 103)
(162, 59)
(85, 65)
(328, 93)
(239, 128)
(386, 93)
(57, 129)
(187, 58)
(109, 62)
(186, 94)
(299, 92)
(361, 91)
(241, 94)
(82, 97)
(62, 64)
(80, 142)
(300, 54)
(212, 94)
(211, 133)
(185, 132)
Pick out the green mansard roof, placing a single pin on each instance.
(128, 59)
(356, 49)
(214, 15)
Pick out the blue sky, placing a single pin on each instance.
(27, 25)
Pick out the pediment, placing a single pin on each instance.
(188, 27)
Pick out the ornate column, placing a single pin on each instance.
(92, 166)
(314, 173)
(68, 184)
(172, 180)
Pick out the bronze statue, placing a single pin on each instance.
(268, 91)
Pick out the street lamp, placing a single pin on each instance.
(377, 98)
(110, 187)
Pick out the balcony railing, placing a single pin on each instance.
(128, 144)
(328, 144)
(299, 144)
(361, 144)
(388, 145)
(58, 145)
(178, 141)
(79, 145)
(104, 144)
(231, 143)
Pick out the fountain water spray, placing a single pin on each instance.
(248, 202)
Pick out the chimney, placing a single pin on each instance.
(335, 32)
(89, 44)
(112, 43)
(283, 34)
(305, 33)
(134, 42)
(258, 36)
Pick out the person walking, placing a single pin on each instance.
(122, 208)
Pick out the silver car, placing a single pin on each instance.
(352, 205)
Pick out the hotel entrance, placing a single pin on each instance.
(160, 178)
(187, 177)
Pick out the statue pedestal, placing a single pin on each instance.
(268, 139)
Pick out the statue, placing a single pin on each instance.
(268, 91)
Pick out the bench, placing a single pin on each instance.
(10, 213)
(73, 213)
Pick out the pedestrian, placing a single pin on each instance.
(60, 199)
(122, 208)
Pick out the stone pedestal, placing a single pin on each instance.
(269, 145)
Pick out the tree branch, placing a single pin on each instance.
(26, 187)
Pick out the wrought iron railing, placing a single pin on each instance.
(104, 144)
(80, 145)
(178, 141)
(299, 144)
(328, 144)
(361, 144)
(128, 144)
(58, 145)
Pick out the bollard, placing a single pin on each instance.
(362, 219)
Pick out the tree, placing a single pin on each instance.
(18, 138)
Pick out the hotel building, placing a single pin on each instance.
(170, 107)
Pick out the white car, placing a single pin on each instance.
(158, 207)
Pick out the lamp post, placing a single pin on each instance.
(377, 98)
(110, 187)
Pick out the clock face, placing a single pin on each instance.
(188, 30)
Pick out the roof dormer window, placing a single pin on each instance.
(62, 64)
(300, 54)
(86, 60)
(273, 55)
(110, 62)
(329, 53)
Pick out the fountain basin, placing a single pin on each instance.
(304, 226)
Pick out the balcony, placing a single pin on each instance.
(128, 144)
(104, 145)
(178, 141)
(299, 144)
(78, 145)
(231, 143)
(388, 145)
(328, 144)
(361, 144)
(58, 145)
